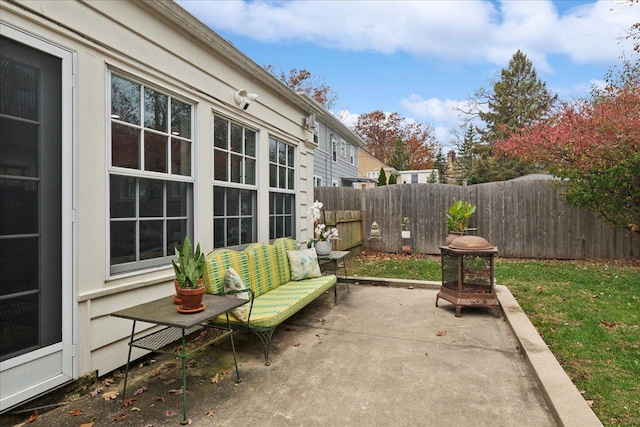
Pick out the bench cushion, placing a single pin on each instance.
(277, 305)
(283, 245)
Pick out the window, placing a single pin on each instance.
(282, 189)
(373, 174)
(234, 189)
(316, 132)
(352, 155)
(414, 178)
(150, 178)
(343, 149)
(334, 150)
(317, 181)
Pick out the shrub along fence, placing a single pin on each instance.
(523, 218)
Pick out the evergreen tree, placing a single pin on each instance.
(516, 101)
(467, 152)
(400, 158)
(440, 163)
(392, 179)
(382, 177)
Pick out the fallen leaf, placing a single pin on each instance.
(215, 379)
(160, 399)
(119, 418)
(210, 413)
(590, 403)
(96, 392)
(32, 417)
(441, 333)
(191, 363)
(297, 345)
(135, 409)
(127, 402)
(170, 413)
(175, 391)
(140, 390)
(108, 381)
(75, 412)
(91, 424)
(110, 395)
(608, 324)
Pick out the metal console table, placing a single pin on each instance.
(177, 326)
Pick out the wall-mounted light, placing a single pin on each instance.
(243, 98)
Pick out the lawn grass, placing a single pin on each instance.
(588, 313)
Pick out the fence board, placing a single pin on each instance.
(525, 219)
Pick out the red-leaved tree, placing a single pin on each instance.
(595, 146)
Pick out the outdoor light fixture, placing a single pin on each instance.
(243, 98)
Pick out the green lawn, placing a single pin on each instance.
(588, 313)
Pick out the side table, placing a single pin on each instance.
(335, 257)
(178, 326)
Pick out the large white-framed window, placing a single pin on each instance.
(317, 181)
(343, 149)
(234, 187)
(281, 189)
(150, 174)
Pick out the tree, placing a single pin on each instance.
(400, 157)
(440, 163)
(382, 177)
(392, 179)
(594, 145)
(381, 131)
(302, 81)
(514, 102)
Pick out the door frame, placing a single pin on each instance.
(67, 347)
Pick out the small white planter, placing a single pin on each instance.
(406, 234)
(323, 247)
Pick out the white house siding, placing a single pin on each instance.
(160, 44)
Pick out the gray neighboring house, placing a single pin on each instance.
(336, 158)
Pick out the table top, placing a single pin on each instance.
(164, 312)
(334, 255)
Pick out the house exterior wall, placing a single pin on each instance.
(156, 42)
(422, 176)
(332, 171)
(369, 167)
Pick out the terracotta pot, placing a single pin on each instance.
(176, 297)
(453, 235)
(191, 298)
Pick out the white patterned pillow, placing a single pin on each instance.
(233, 282)
(304, 264)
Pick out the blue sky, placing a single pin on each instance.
(425, 59)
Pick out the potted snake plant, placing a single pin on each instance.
(189, 271)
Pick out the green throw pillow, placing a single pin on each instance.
(233, 282)
(304, 264)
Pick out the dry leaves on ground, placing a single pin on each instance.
(110, 395)
(441, 333)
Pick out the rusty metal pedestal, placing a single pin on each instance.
(467, 273)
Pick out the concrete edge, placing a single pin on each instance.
(565, 401)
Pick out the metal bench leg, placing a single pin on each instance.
(126, 371)
(265, 338)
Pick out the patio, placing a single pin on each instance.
(385, 355)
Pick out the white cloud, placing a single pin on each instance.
(463, 31)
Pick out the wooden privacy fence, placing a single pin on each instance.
(523, 218)
(350, 228)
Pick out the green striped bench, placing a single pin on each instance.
(274, 296)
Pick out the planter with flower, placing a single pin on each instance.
(189, 280)
(322, 234)
(458, 217)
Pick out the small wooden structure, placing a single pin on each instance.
(467, 273)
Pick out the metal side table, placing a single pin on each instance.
(178, 326)
(335, 257)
